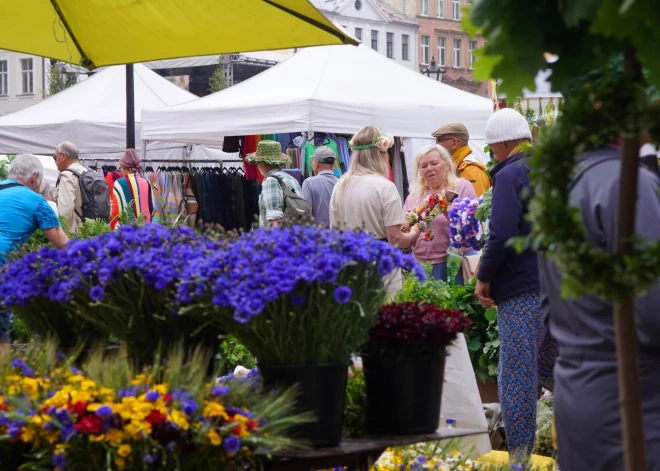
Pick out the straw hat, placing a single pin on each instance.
(268, 153)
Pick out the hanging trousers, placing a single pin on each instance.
(527, 357)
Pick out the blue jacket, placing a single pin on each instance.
(510, 274)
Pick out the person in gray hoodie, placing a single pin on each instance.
(586, 396)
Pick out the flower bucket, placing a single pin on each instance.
(404, 393)
(321, 390)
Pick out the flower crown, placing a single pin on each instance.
(383, 142)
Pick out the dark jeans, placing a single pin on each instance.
(440, 273)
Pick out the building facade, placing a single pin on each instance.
(22, 80)
(378, 25)
(442, 38)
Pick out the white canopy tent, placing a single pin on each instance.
(92, 114)
(332, 89)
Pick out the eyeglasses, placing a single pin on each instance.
(439, 140)
(55, 157)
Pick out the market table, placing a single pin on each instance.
(356, 454)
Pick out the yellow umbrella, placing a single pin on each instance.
(96, 33)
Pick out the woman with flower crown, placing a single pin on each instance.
(435, 173)
(364, 198)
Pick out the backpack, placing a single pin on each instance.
(95, 193)
(295, 207)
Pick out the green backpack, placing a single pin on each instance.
(295, 207)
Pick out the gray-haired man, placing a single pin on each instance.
(69, 197)
(22, 211)
(318, 190)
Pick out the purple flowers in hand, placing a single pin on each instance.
(465, 230)
(232, 444)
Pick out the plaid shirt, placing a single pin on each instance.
(271, 199)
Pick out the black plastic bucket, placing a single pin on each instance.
(322, 391)
(404, 394)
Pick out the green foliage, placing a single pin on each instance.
(583, 34)
(235, 354)
(18, 331)
(355, 407)
(543, 442)
(60, 80)
(607, 104)
(218, 82)
(482, 337)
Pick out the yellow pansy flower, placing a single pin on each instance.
(124, 450)
(120, 462)
(214, 437)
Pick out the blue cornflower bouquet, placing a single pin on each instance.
(121, 283)
(292, 295)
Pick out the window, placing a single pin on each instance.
(442, 51)
(358, 33)
(425, 8)
(404, 47)
(425, 49)
(440, 8)
(374, 40)
(473, 47)
(457, 53)
(4, 78)
(456, 9)
(390, 45)
(27, 73)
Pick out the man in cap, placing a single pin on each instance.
(318, 190)
(454, 137)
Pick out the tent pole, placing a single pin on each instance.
(130, 107)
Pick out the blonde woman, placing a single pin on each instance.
(365, 199)
(435, 172)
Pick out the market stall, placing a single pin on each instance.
(92, 115)
(336, 89)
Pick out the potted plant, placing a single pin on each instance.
(302, 299)
(404, 361)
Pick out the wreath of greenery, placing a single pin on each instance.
(601, 109)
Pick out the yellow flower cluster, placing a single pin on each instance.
(416, 458)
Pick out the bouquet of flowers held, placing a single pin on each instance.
(423, 215)
(104, 416)
(465, 229)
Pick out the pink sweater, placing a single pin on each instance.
(436, 250)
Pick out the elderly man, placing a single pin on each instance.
(69, 197)
(454, 137)
(510, 280)
(318, 190)
(23, 211)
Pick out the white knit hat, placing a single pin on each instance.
(507, 125)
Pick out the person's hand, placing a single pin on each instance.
(482, 292)
(415, 231)
(405, 227)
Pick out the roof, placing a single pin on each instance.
(390, 13)
(312, 91)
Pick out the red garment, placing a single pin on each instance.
(109, 180)
(250, 146)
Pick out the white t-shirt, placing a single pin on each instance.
(369, 202)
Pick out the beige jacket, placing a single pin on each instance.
(69, 198)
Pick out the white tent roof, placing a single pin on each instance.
(331, 88)
(91, 114)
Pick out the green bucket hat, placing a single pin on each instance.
(269, 153)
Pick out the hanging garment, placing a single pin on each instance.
(309, 150)
(132, 191)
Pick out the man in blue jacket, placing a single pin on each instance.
(510, 281)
